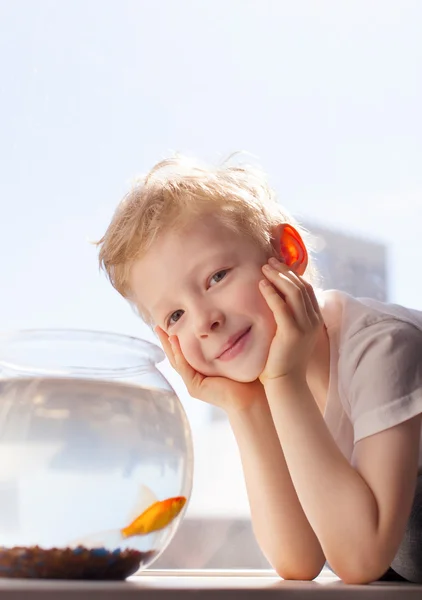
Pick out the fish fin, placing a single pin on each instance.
(144, 500)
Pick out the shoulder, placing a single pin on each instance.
(364, 326)
(386, 350)
(383, 339)
(380, 375)
(378, 352)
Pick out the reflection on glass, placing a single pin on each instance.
(102, 463)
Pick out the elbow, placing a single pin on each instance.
(359, 573)
(299, 572)
(362, 563)
(359, 577)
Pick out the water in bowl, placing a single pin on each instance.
(81, 459)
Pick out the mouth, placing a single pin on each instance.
(235, 345)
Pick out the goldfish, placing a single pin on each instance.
(155, 517)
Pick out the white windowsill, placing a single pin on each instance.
(212, 585)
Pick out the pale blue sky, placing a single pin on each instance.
(326, 94)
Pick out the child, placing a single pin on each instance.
(324, 395)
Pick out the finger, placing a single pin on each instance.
(184, 369)
(191, 378)
(167, 347)
(314, 310)
(293, 295)
(313, 299)
(312, 306)
(282, 314)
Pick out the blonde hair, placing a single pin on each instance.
(175, 192)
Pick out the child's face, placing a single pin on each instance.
(202, 286)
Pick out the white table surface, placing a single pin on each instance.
(209, 585)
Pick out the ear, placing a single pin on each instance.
(290, 248)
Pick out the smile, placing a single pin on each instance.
(236, 347)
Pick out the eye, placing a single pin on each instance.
(176, 316)
(217, 277)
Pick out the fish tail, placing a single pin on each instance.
(129, 531)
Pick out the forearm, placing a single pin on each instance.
(280, 525)
(338, 503)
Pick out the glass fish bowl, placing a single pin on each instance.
(96, 457)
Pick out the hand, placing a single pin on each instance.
(220, 391)
(298, 318)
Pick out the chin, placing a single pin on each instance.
(243, 373)
(246, 379)
(241, 377)
(244, 376)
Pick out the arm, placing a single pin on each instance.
(359, 515)
(280, 525)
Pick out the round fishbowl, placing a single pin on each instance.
(96, 457)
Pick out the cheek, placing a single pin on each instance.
(249, 300)
(191, 351)
(251, 303)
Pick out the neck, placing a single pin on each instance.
(318, 373)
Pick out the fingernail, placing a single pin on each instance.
(264, 282)
(266, 268)
(273, 261)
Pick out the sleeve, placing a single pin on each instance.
(381, 376)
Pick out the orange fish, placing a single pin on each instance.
(155, 517)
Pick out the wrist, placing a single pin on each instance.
(287, 384)
(241, 410)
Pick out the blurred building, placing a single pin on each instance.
(350, 263)
(217, 531)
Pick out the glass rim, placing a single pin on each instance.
(150, 352)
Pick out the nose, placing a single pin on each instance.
(208, 320)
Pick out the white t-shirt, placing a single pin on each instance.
(375, 367)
